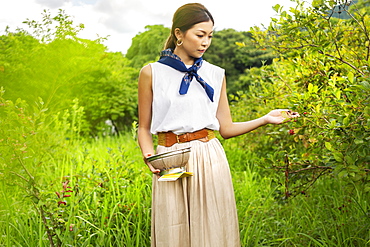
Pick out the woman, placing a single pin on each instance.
(181, 93)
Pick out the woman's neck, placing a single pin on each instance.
(185, 58)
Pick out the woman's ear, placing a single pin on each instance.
(178, 33)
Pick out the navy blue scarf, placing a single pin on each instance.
(174, 61)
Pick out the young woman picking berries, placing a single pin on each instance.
(182, 93)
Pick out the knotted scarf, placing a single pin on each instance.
(174, 61)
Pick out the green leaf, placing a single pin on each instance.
(333, 124)
(365, 84)
(346, 121)
(337, 94)
(349, 160)
(350, 77)
(343, 174)
(338, 156)
(277, 8)
(310, 88)
(274, 19)
(329, 146)
(317, 3)
(367, 188)
(354, 168)
(359, 141)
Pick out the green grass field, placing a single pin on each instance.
(100, 195)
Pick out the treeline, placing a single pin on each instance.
(58, 67)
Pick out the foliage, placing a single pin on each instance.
(327, 215)
(60, 67)
(92, 194)
(109, 93)
(31, 142)
(235, 52)
(322, 72)
(147, 46)
(99, 195)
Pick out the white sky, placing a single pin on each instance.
(123, 19)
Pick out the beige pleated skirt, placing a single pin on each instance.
(197, 211)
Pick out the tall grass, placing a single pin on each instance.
(109, 203)
(328, 214)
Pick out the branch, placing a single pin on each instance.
(19, 176)
(312, 168)
(24, 167)
(305, 169)
(335, 40)
(298, 47)
(311, 183)
(364, 29)
(43, 217)
(326, 54)
(343, 61)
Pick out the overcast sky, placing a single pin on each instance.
(123, 19)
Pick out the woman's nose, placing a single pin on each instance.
(205, 41)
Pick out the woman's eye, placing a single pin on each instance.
(200, 36)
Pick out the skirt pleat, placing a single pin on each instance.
(196, 211)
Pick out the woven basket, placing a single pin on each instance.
(170, 160)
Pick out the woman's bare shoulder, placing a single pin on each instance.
(146, 70)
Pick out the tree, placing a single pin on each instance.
(235, 52)
(147, 46)
(109, 93)
(59, 67)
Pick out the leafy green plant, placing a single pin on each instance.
(32, 141)
(322, 72)
(55, 64)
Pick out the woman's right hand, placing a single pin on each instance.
(279, 116)
(152, 169)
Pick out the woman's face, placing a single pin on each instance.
(196, 40)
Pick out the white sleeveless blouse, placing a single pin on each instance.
(189, 112)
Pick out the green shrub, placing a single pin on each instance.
(322, 72)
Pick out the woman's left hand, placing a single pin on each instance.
(279, 116)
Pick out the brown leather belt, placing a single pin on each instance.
(167, 139)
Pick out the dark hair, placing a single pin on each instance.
(185, 18)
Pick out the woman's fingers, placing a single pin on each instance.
(289, 114)
(153, 170)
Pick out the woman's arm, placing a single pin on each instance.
(230, 129)
(145, 114)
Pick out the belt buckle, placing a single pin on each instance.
(182, 138)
